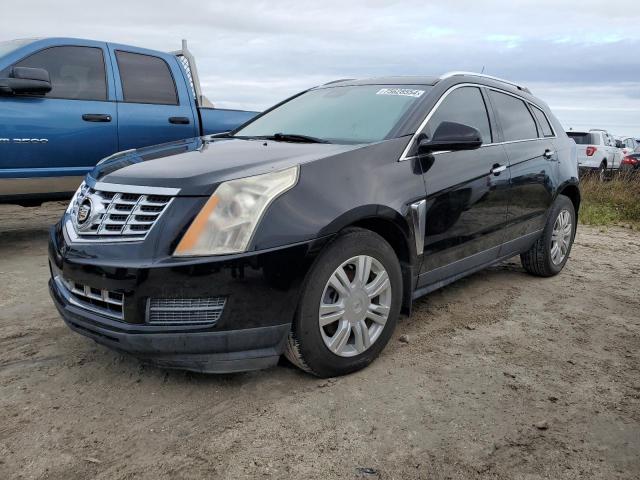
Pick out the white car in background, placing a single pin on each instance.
(627, 144)
(597, 152)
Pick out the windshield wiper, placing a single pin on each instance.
(295, 137)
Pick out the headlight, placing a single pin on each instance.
(227, 221)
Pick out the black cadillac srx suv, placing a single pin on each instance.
(307, 230)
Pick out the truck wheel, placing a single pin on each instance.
(349, 306)
(550, 253)
(602, 171)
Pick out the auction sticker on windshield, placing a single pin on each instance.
(405, 92)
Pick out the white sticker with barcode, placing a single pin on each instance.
(404, 92)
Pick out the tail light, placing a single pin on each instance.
(630, 161)
(591, 150)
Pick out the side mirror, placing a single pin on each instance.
(619, 144)
(26, 81)
(451, 136)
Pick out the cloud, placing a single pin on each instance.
(252, 54)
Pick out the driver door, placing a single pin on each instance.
(467, 192)
(50, 142)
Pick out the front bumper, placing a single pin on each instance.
(261, 293)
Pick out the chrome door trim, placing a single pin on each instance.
(419, 219)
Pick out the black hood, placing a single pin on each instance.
(196, 166)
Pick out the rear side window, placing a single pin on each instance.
(464, 105)
(146, 79)
(543, 121)
(76, 73)
(515, 118)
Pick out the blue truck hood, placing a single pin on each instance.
(196, 166)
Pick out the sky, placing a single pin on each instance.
(581, 57)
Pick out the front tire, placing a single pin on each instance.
(548, 256)
(349, 306)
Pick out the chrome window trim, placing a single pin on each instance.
(423, 124)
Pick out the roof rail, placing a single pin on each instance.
(338, 81)
(497, 79)
(189, 63)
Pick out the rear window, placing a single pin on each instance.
(543, 121)
(583, 138)
(515, 118)
(146, 79)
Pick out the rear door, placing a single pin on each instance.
(154, 105)
(533, 166)
(52, 141)
(467, 192)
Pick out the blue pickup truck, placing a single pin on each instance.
(67, 103)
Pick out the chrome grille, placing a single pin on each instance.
(184, 311)
(122, 215)
(104, 302)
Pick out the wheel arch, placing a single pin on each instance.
(396, 230)
(572, 191)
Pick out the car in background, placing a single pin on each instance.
(597, 153)
(627, 145)
(67, 103)
(631, 162)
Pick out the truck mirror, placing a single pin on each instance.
(26, 81)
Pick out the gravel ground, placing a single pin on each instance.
(500, 375)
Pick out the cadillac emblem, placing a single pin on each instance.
(89, 210)
(84, 211)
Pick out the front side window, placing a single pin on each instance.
(463, 105)
(146, 79)
(76, 73)
(350, 114)
(515, 118)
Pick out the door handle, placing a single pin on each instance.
(96, 117)
(497, 169)
(548, 154)
(179, 120)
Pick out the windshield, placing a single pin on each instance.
(353, 114)
(12, 45)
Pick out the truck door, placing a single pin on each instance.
(48, 143)
(154, 105)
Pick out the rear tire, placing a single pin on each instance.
(548, 256)
(343, 329)
(602, 171)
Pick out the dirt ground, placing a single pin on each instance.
(504, 376)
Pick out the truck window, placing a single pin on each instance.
(77, 73)
(515, 118)
(464, 105)
(543, 121)
(146, 79)
(584, 138)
